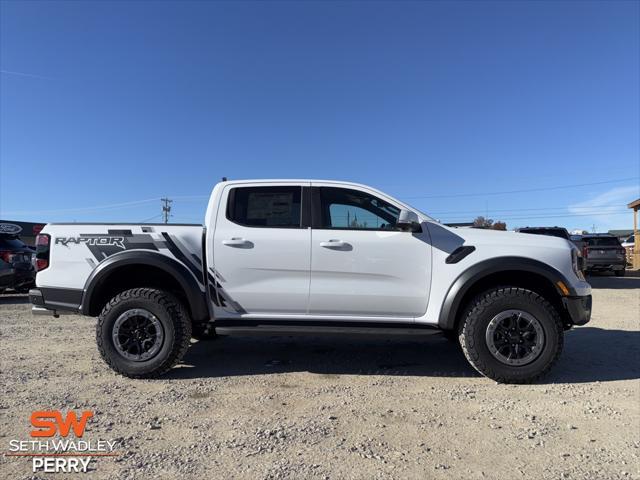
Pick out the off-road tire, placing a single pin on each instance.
(175, 322)
(203, 332)
(620, 273)
(474, 325)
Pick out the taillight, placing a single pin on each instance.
(585, 252)
(42, 251)
(622, 251)
(42, 240)
(7, 256)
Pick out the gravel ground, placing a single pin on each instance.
(335, 407)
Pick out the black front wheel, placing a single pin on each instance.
(511, 335)
(143, 332)
(620, 273)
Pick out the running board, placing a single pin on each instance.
(246, 327)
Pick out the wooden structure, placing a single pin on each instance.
(634, 252)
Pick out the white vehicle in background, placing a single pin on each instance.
(292, 255)
(629, 242)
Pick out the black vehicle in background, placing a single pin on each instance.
(559, 232)
(16, 268)
(603, 252)
(550, 231)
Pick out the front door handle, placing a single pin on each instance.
(335, 244)
(238, 243)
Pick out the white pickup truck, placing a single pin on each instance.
(306, 255)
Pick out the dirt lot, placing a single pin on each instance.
(335, 407)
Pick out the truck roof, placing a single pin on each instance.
(294, 180)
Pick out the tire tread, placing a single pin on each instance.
(478, 307)
(175, 310)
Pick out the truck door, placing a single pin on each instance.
(362, 265)
(261, 249)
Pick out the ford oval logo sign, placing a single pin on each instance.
(10, 229)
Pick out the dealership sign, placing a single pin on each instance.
(57, 444)
(10, 228)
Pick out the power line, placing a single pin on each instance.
(113, 206)
(150, 218)
(540, 189)
(509, 210)
(524, 217)
(542, 214)
(136, 203)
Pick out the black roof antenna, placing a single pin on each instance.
(224, 179)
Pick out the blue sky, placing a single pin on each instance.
(107, 106)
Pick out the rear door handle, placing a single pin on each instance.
(334, 244)
(238, 243)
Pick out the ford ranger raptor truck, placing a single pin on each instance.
(312, 256)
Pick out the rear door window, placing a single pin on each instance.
(267, 207)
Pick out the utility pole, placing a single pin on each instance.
(166, 209)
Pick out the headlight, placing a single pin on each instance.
(576, 263)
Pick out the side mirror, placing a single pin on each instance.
(408, 221)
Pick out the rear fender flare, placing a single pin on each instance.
(192, 288)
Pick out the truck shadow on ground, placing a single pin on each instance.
(610, 281)
(590, 354)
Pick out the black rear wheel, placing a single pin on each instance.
(511, 335)
(620, 273)
(143, 332)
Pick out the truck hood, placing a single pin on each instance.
(499, 243)
(482, 236)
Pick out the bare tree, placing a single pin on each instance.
(482, 222)
(498, 225)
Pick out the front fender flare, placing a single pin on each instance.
(192, 288)
(466, 280)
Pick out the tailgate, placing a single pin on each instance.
(603, 253)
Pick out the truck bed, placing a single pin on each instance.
(77, 248)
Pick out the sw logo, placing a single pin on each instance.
(56, 444)
(42, 420)
(49, 422)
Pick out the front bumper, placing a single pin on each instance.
(578, 308)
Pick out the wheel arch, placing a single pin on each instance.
(503, 271)
(131, 269)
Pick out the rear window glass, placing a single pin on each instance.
(602, 241)
(276, 207)
(8, 243)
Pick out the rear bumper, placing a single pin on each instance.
(43, 311)
(578, 308)
(55, 300)
(17, 278)
(605, 264)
